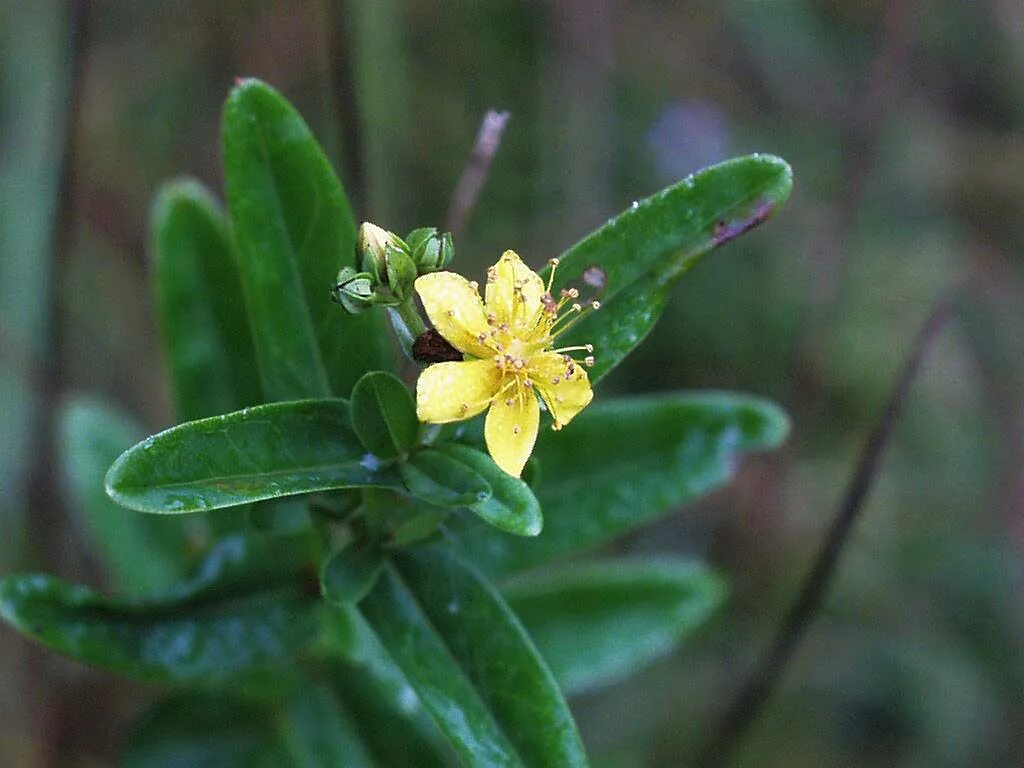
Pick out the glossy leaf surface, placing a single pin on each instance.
(349, 573)
(598, 623)
(265, 452)
(251, 608)
(384, 415)
(142, 554)
(203, 325)
(318, 731)
(194, 729)
(512, 507)
(623, 463)
(644, 250)
(471, 663)
(439, 479)
(294, 230)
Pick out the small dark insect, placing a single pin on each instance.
(431, 347)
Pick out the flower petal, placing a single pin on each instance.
(564, 386)
(511, 430)
(455, 391)
(454, 307)
(517, 308)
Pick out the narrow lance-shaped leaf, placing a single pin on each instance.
(623, 463)
(437, 478)
(392, 720)
(511, 507)
(197, 728)
(643, 251)
(598, 623)
(318, 731)
(265, 452)
(472, 664)
(253, 607)
(294, 231)
(143, 554)
(384, 415)
(203, 325)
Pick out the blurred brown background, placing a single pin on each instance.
(904, 123)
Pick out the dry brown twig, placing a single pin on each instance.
(757, 690)
(471, 182)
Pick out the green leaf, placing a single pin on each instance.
(471, 663)
(194, 729)
(265, 452)
(320, 733)
(349, 573)
(250, 609)
(647, 248)
(437, 478)
(143, 554)
(623, 463)
(598, 623)
(391, 721)
(203, 325)
(294, 230)
(512, 507)
(384, 415)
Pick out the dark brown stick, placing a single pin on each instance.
(464, 198)
(752, 697)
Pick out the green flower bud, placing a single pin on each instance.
(355, 290)
(401, 273)
(430, 250)
(372, 247)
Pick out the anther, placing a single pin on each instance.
(510, 402)
(451, 313)
(515, 430)
(576, 308)
(556, 379)
(553, 262)
(474, 284)
(589, 361)
(595, 304)
(589, 347)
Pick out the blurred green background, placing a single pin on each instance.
(904, 124)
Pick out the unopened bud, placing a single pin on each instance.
(372, 247)
(354, 290)
(430, 250)
(401, 273)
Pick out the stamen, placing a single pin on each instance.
(474, 285)
(551, 276)
(589, 361)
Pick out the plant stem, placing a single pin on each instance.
(408, 324)
(758, 689)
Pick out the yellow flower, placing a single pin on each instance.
(507, 342)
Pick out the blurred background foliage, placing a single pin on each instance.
(904, 123)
